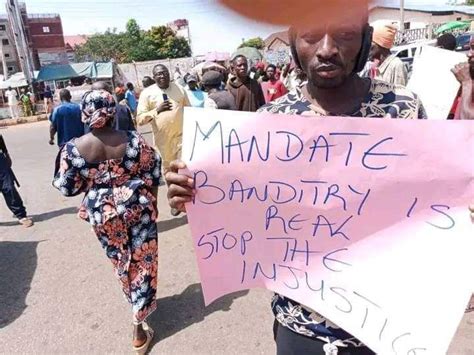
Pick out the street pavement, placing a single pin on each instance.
(58, 293)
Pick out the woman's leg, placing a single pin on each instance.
(139, 335)
(114, 237)
(143, 270)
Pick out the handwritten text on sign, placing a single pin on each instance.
(363, 220)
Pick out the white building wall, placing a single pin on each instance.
(417, 19)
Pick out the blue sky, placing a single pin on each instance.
(212, 26)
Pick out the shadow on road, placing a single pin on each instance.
(18, 263)
(44, 216)
(178, 312)
(170, 224)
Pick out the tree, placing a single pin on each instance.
(102, 47)
(470, 2)
(134, 45)
(167, 44)
(253, 42)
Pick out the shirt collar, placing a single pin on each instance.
(383, 67)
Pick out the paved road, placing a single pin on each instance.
(58, 293)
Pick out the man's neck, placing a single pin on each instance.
(343, 99)
(243, 79)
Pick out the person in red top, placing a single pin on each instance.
(273, 88)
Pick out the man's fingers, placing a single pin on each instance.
(176, 190)
(178, 202)
(177, 165)
(179, 179)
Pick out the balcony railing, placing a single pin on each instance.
(40, 16)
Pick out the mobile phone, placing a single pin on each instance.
(165, 97)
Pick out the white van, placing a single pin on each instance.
(407, 52)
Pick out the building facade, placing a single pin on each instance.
(421, 16)
(181, 28)
(44, 40)
(47, 39)
(71, 43)
(8, 53)
(277, 48)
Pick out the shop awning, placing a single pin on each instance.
(67, 71)
(17, 80)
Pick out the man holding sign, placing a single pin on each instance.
(330, 54)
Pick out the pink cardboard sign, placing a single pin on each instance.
(365, 221)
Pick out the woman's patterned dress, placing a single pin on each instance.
(120, 206)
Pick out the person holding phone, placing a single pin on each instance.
(161, 105)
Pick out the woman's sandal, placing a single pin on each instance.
(141, 350)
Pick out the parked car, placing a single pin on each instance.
(462, 41)
(407, 52)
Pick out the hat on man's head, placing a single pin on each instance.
(212, 78)
(384, 33)
(191, 78)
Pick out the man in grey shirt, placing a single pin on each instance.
(218, 98)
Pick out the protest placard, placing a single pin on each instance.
(433, 81)
(365, 221)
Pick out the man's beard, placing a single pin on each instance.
(323, 83)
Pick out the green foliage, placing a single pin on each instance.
(134, 45)
(102, 47)
(253, 42)
(470, 2)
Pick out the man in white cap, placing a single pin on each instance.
(388, 67)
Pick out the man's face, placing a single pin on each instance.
(470, 57)
(375, 52)
(241, 67)
(162, 77)
(328, 53)
(271, 73)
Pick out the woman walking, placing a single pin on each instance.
(119, 174)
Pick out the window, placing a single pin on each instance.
(3, 28)
(5, 42)
(7, 55)
(46, 29)
(459, 19)
(403, 54)
(10, 68)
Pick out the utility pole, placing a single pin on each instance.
(402, 21)
(21, 43)
(402, 16)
